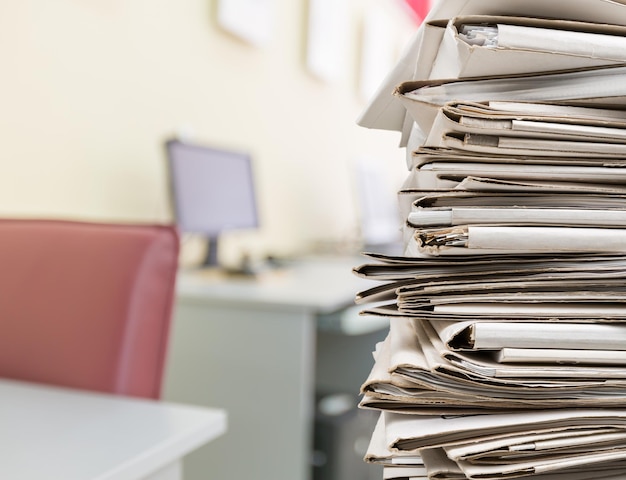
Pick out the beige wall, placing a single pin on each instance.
(91, 88)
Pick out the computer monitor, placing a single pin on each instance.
(378, 208)
(212, 192)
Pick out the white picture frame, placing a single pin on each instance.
(250, 20)
(378, 48)
(327, 49)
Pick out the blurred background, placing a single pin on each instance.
(92, 89)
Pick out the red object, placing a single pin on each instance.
(86, 305)
(419, 7)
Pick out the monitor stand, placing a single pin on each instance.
(210, 257)
(210, 261)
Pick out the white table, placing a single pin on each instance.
(55, 433)
(249, 346)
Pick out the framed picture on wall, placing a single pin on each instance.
(327, 46)
(378, 46)
(250, 20)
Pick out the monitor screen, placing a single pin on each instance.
(379, 214)
(212, 190)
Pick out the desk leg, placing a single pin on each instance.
(257, 364)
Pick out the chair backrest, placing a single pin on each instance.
(86, 305)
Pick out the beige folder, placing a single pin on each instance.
(478, 45)
(385, 112)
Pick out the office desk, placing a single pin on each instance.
(54, 433)
(249, 346)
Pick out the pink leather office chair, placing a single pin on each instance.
(86, 305)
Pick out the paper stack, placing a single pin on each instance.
(506, 353)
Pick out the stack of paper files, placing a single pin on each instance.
(506, 352)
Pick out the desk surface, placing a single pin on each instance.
(48, 432)
(323, 284)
